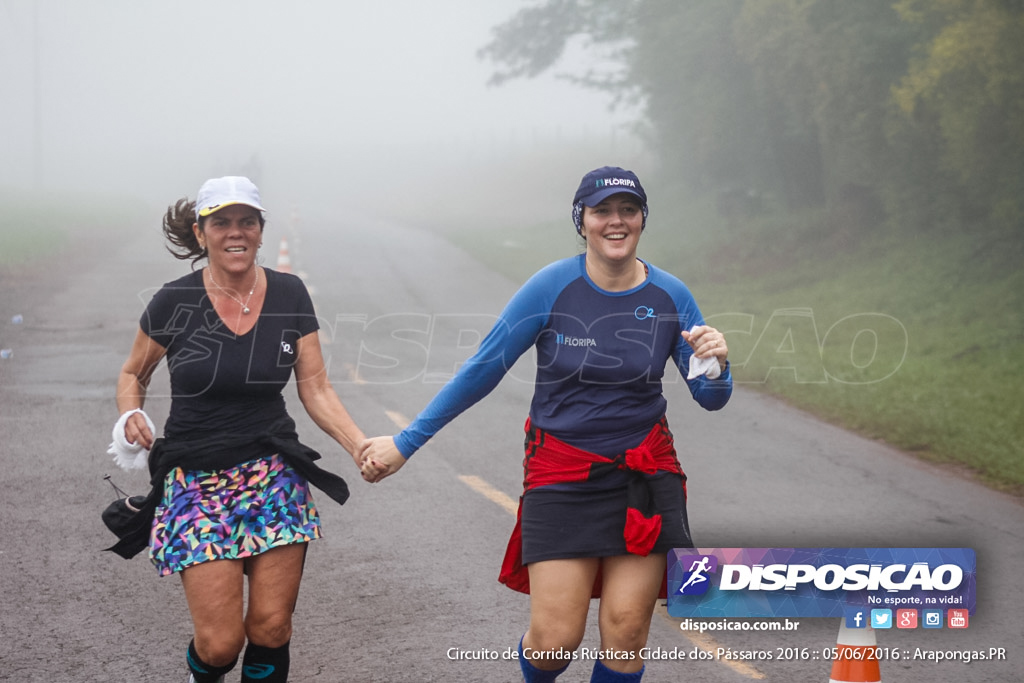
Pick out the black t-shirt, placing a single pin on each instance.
(222, 382)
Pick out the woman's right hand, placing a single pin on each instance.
(136, 431)
(381, 458)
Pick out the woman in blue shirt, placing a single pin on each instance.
(605, 494)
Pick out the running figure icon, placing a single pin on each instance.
(697, 570)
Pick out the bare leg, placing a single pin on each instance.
(559, 600)
(214, 594)
(629, 593)
(274, 578)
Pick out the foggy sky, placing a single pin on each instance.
(153, 97)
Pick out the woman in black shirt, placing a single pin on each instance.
(231, 495)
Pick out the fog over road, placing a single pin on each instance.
(407, 569)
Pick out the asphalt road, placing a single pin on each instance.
(407, 570)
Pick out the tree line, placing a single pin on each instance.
(910, 111)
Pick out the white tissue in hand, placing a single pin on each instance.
(128, 455)
(704, 366)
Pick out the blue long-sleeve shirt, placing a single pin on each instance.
(601, 357)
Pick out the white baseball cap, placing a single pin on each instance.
(216, 193)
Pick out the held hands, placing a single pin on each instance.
(380, 458)
(707, 342)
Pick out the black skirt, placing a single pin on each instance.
(587, 518)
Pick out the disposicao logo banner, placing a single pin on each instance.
(817, 582)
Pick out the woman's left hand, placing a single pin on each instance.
(707, 342)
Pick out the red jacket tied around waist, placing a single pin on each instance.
(549, 460)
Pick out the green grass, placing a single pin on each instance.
(36, 225)
(913, 339)
(921, 339)
(25, 236)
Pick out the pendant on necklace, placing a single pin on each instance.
(245, 310)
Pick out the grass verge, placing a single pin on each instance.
(35, 226)
(913, 339)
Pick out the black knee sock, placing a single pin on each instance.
(203, 672)
(265, 664)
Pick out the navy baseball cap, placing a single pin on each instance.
(603, 182)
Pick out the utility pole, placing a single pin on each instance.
(37, 108)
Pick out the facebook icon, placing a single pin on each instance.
(855, 618)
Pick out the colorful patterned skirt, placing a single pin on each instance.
(231, 514)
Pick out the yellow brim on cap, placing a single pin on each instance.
(214, 209)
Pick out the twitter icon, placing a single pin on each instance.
(881, 618)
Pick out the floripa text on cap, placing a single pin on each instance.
(603, 182)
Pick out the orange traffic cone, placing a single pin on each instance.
(284, 260)
(856, 660)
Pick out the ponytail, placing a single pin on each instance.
(177, 228)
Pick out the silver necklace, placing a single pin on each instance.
(245, 306)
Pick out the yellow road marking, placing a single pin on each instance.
(352, 374)
(490, 493)
(400, 420)
(701, 640)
